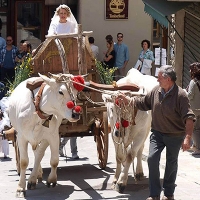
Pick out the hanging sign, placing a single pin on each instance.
(116, 9)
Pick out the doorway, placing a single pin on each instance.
(29, 20)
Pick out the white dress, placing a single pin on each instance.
(62, 28)
(4, 145)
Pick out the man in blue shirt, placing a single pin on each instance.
(7, 61)
(121, 57)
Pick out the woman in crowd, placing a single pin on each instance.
(145, 58)
(63, 21)
(194, 97)
(109, 58)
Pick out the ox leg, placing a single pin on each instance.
(54, 147)
(24, 160)
(139, 169)
(37, 169)
(122, 181)
(117, 173)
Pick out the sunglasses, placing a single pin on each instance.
(120, 36)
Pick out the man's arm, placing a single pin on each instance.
(189, 126)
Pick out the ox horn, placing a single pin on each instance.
(57, 77)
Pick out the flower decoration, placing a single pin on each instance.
(105, 74)
(78, 79)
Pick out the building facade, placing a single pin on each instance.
(30, 20)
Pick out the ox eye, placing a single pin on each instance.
(60, 92)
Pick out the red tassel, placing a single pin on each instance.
(125, 123)
(117, 125)
(78, 79)
(77, 109)
(70, 104)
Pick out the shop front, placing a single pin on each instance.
(28, 19)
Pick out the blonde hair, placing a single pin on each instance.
(63, 7)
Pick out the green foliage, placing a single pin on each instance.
(22, 72)
(105, 74)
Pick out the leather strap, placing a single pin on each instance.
(37, 102)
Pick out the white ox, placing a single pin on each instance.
(29, 126)
(129, 128)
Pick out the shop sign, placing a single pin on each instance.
(116, 9)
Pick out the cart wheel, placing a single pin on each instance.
(101, 139)
(17, 156)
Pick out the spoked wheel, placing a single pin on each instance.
(101, 139)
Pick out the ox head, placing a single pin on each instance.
(121, 116)
(62, 93)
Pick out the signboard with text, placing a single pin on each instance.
(116, 9)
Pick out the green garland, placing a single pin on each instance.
(22, 72)
(105, 74)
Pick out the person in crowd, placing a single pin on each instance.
(2, 42)
(4, 145)
(24, 50)
(73, 146)
(121, 57)
(7, 60)
(109, 37)
(109, 58)
(64, 22)
(194, 97)
(146, 58)
(95, 49)
(172, 127)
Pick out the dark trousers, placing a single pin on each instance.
(158, 141)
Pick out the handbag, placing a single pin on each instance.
(138, 65)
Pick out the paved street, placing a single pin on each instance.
(82, 179)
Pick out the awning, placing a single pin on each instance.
(160, 9)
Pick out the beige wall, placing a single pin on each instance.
(135, 29)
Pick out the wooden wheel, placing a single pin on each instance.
(17, 156)
(101, 139)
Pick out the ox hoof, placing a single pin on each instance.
(113, 186)
(20, 194)
(40, 180)
(139, 176)
(31, 186)
(49, 184)
(120, 188)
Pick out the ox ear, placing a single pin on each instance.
(47, 80)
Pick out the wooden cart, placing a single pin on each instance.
(72, 54)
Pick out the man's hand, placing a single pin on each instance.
(186, 143)
(122, 98)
